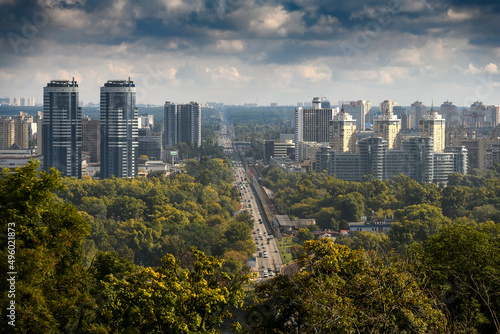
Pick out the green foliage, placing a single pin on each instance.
(143, 219)
(343, 291)
(192, 297)
(367, 240)
(415, 224)
(51, 293)
(464, 261)
(304, 235)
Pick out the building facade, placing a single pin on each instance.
(312, 124)
(343, 133)
(417, 110)
(388, 127)
(7, 133)
(119, 129)
(433, 125)
(182, 123)
(62, 128)
(360, 111)
(417, 160)
(91, 139)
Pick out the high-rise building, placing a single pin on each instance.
(182, 123)
(421, 157)
(388, 127)
(7, 133)
(387, 106)
(170, 124)
(450, 114)
(343, 133)
(189, 123)
(62, 128)
(22, 126)
(372, 153)
(119, 129)
(360, 111)
(39, 133)
(312, 124)
(91, 139)
(417, 110)
(433, 125)
(493, 115)
(150, 145)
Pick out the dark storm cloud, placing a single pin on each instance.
(203, 22)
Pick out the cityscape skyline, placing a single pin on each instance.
(265, 52)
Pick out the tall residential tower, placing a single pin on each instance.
(119, 129)
(62, 128)
(182, 123)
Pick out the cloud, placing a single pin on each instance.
(385, 78)
(269, 20)
(5, 76)
(489, 68)
(455, 15)
(230, 46)
(229, 73)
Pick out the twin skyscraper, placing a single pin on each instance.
(119, 136)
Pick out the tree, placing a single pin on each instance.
(51, 292)
(304, 234)
(464, 261)
(453, 202)
(338, 290)
(188, 296)
(366, 240)
(415, 224)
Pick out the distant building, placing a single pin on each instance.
(433, 125)
(343, 133)
(416, 159)
(146, 121)
(150, 146)
(119, 129)
(360, 111)
(12, 158)
(417, 110)
(62, 128)
(450, 114)
(91, 139)
(7, 133)
(312, 124)
(22, 131)
(388, 127)
(182, 123)
(387, 106)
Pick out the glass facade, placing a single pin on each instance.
(119, 129)
(62, 128)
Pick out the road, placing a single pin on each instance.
(268, 259)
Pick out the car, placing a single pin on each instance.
(265, 255)
(269, 269)
(276, 251)
(266, 275)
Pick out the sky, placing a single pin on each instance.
(252, 51)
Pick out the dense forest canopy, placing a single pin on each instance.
(166, 254)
